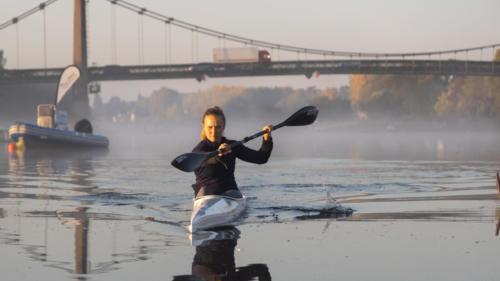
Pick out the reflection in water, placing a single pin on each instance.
(57, 168)
(214, 258)
(37, 174)
(498, 222)
(498, 210)
(81, 241)
(440, 150)
(498, 185)
(80, 220)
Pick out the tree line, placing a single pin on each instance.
(366, 97)
(237, 102)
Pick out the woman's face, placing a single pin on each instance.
(213, 127)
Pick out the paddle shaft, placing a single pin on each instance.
(256, 135)
(246, 139)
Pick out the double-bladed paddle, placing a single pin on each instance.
(189, 162)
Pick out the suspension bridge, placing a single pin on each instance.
(308, 62)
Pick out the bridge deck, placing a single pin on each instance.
(308, 68)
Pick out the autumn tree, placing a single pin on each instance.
(469, 96)
(395, 94)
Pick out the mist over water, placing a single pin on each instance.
(319, 140)
(384, 139)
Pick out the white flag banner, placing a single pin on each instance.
(69, 76)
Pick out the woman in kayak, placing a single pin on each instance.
(216, 175)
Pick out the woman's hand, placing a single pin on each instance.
(224, 149)
(267, 129)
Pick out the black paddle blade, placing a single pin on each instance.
(189, 162)
(303, 116)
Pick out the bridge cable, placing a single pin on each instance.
(26, 14)
(44, 35)
(165, 44)
(18, 63)
(140, 30)
(192, 46)
(198, 36)
(114, 56)
(289, 48)
(138, 41)
(169, 43)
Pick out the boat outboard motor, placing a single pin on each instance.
(45, 115)
(83, 126)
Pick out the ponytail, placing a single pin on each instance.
(202, 135)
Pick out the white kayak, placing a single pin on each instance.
(214, 210)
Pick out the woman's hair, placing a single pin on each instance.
(216, 111)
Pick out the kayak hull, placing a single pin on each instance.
(214, 211)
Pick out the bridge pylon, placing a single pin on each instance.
(77, 102)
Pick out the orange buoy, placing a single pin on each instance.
(11, 147)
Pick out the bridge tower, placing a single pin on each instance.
(77, 102)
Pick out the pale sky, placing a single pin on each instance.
(357, 25)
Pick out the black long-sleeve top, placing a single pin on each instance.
(218, 178)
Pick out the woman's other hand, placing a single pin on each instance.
(267, 135)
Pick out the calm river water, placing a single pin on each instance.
(80, 215)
